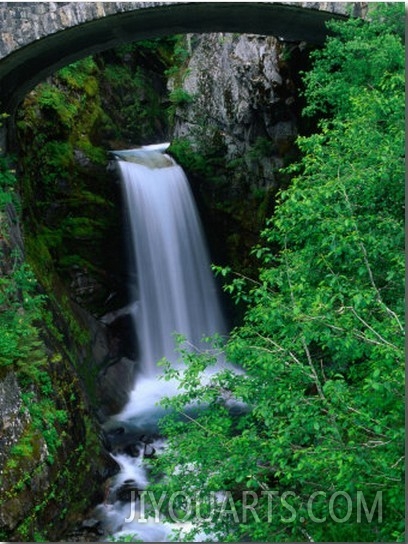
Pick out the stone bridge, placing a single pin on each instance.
(39, 37)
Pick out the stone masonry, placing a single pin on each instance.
(37, 38)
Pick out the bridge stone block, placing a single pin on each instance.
(39, 37)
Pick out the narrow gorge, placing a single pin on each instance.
(75, 233)
(133, 270)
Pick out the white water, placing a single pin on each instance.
(176, 293)
(176, 290)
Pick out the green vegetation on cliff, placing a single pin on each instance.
(319, 453)
(66, 126)
(46, 432)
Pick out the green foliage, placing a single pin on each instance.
(46, 418)
(179, 57)
(81, 76)
(28, 340)
(133, 84)
(57, 126)
(72, 475)
(7, 180)
(188, 157)
(176, 73)
(20, 307)
(180, 96)
(322, 339)
(7, 183)
(343, 68)
(23, 448)
(21, 346)
(50, 98)
(262, 147)
(124, 538)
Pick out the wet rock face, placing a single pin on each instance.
(43, 429)
(237, 95)
(114, 382)
(14, 422)
(12, 419)
(237, 107)
(29, 468)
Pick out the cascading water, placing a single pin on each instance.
(176, 290)
(175, 293)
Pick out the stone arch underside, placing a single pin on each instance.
(24, 68)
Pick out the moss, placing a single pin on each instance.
(42, 264)
(52, 512)
(53, 410)
(53, 458)
(70, 204)
(66, 199)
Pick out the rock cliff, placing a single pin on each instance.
(238, 96)
(237, 107)
(47, 442)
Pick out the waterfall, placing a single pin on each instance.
(176, 291)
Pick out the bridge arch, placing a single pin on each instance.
(92, 27)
